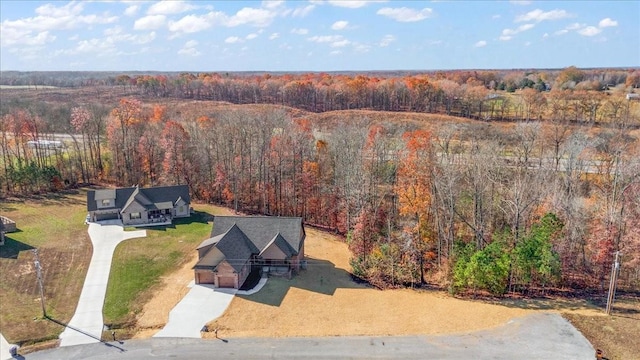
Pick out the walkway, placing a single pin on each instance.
(87, 323)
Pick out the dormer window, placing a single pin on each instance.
(106, 202)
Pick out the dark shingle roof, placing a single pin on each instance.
(236, 247)
(261, 230)
(282, 244)
(154, 195)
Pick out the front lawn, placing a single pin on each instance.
(54, 225)
(139, 264)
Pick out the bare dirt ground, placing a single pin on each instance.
(324, 301)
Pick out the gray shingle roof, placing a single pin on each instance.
(236, 248)
(155, 195)
(282, 244)
(261, 230)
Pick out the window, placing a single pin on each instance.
(135, 215)
(106, 202)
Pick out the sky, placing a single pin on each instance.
(318, 35)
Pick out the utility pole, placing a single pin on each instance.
(615, 270)
(40, 282)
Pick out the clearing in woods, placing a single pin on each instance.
(324, 301)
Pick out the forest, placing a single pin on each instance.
(494, 181)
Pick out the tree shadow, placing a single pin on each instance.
(12, 248)
(542, 303)
(320, 276)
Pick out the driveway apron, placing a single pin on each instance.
(201, 305)
(87, 324)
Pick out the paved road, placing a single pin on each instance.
(87, 323)
(201, 305)
(537, 336)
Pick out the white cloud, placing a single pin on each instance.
(361, 48)
(353, 4)
(607, 22)
(325, 38)
(189, 48)
(335, 52)
(168, 7)
(575, 26)
(251, 36)
(274, 36)
(387, 40)
(340, 25)
(132, 10)
(272, 4)
(150, 22)
(116, 34)
(538, 15)
(37, 30)
(252, 16)
(507, 34)
(480, 43)
(299, 31)
(340, 43)
(589, 31)
(303, 11)
(195, 23)
(404, 14)
(232, 40)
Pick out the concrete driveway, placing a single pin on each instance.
(202, 304)
(87, 323)
(4, 349)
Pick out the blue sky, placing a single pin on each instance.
(318, 35)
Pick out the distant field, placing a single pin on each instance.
(33, 87)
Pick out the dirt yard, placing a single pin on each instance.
(324, 301)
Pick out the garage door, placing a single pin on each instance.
(227, 281)
(205, 277)
(111, 216)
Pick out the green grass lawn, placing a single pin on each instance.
(138, 264)
(54, 225)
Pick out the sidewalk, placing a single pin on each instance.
(4, 349)
(87, 324)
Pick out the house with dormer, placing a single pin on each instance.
(239, 245)
(139, 206)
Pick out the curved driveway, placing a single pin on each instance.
(87, 323)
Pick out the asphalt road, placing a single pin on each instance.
(538, 336)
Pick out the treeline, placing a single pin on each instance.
(473, 206)
(583, 95)
(483, 95)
